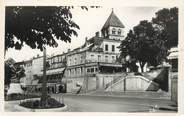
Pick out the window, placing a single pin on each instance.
(92, 70)
(92, 57)
(99, 58)
(119, 31)
(75, 61)
(106, 47)
(88, 70)
(81, 59)
(113, 48)
(106, 58)
(70, 62)
(113, 58)
(96, 69)
(113, 31)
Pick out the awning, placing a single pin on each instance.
(173, 55)
(110, 65)
(35, 82)
(52, 72)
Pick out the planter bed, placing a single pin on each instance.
(36, 104)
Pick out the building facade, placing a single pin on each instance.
(77, 69)
(98, 55)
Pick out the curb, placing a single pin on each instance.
(118, 96)
(40, 110)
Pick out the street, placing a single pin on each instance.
(86, 103)
(82, 103)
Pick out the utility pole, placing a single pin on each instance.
(44, 81)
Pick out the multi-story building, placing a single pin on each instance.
(80, 66)
(98, 55)
(55, 73)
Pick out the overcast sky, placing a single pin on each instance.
(89, 22)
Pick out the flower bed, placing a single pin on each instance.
(36, 104)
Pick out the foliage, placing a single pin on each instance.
(8, 74)
(166, 21)
(38, 26)
(143, 45)
(149, 42)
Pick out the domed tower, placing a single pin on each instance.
(113, 28)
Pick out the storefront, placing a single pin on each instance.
(54, 81)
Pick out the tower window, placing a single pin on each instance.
(119, 31)
(106, 47)
(113, 31)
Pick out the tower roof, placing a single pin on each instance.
(113, 20)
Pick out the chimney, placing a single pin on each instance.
(37, 55)
(86, 39)
(97, 34)
(69, 50)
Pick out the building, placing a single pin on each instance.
(173, 59)
(27, 80)
(98, 55)
(55, 73)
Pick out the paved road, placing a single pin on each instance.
(10, 106)
(77, 103)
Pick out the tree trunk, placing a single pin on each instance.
(142, 66)
(44, 81)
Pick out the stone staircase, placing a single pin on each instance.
(115, 80)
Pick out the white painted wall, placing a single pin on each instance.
(116, 36)
(94, 57)
(110, 43)
(37, 65)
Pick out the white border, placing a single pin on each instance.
(109, 3)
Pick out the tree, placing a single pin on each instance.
(143, 45)
(166, 21)
(13, 72)
(38, 26)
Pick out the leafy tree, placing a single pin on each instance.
(38, 26)
(166, 21)
(13, 73)
(142, 45)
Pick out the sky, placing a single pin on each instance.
(89, 22)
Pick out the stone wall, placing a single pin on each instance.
(104, 79)
(133, 83)
(174, 89)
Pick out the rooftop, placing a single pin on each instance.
(113, 20)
